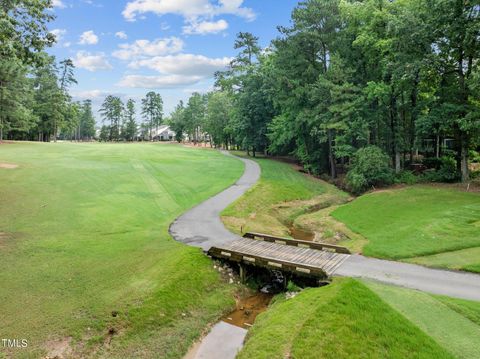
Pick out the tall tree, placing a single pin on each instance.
(16, 96)
(112, 111)
(194, 115)
(87, 121)
(130, 125)
(50, 101)
(177, 121)
(67, 76)
(152, 111)
(23, 29)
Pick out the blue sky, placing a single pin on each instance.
(172, 47)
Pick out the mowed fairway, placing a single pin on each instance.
(85, 249)
(424, 224)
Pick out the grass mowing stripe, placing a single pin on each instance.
(88, 235)
(453, 331)
(414, 221)
(342, 320)
(276, 330)
(358, 324)
(466, 259)
(467, 308)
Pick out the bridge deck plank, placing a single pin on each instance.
(271, 251)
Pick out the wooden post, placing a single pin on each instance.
(243, 273)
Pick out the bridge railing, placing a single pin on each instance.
(270, 263)
(297, 242)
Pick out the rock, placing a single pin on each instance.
(231, 281)
(290, 295)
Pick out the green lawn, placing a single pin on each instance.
(344, 320)
(84, 232)
(453, 323)
(418, 221)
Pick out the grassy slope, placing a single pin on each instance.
(416, 221)
(87, 234)
(342, 320)
(280, 197)
(452, 323)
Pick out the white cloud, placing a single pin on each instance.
(89, 94)
(175, 71)
(59, 4)
(59, 34)
(60, 37)
(184, 64)
(121, 35)
(88, 38)
(145, 48)
(164, 26)
(158, 82)
(91, 62)
(189, 9)
(205, 27)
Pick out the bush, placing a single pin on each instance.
(447, 171)
(370, 167)
(474, 156)
(407, 177)
(432, 162)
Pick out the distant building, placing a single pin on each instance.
(163, 133)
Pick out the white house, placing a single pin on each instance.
(163, 133)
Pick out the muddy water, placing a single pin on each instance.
(248, 309)
(301, 234)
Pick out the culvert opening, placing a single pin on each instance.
(266, 283)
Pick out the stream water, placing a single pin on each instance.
(301, 234)
(247, 310)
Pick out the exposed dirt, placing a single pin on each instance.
(248, 309)
(4, 239)
(58, 349)
(8, 166)
(301, 234)
(198, 145)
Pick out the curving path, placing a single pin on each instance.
(202, 227)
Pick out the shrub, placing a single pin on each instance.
(474, 156)
(370, 167)
(407, 177)
(432, 162)
(447, 171)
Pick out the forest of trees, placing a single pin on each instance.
(35, 103)
(398, 79)
(121, 122)
(349, 86)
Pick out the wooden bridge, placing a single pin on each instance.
(285, 254)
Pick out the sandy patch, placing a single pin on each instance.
(8, 165)
(58, 349)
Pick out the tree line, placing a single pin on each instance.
(35, 103)
(401, 77)
(119, 119)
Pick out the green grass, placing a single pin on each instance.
(281, 196)
(452, 323)
(85, 232)
(466, 308)
(416, 221)
(343, 320)
(464, 259)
